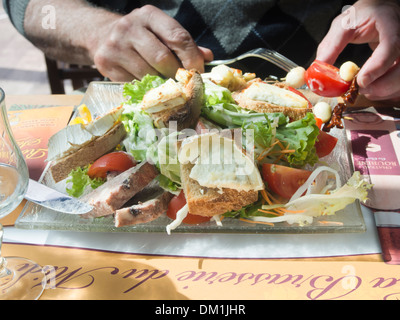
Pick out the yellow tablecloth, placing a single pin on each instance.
(90, 274)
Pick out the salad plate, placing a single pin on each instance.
(103, 96)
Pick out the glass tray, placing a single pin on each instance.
(103, 96)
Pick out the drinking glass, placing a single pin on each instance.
(20, 278)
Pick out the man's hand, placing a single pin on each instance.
(147, 41)
(378, 24)
(123, 48)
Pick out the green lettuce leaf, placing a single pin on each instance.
(167, 152)
(79, 180)
(138, 124)
(216, 94)
(328, 204)
(231, 115)
(168, 184)
(315, 205)
(134, 91)
(222, 109)
(246, 212)
(301, 136)
(141, 134)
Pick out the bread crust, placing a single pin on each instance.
(265, 107)
(209, 202)
(188, 114)
(89, 153)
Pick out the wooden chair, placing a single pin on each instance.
(80, 76)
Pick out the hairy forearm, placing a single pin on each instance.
(67, 30)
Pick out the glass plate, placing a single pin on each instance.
(103, 96)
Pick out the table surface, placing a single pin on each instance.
(101, 264)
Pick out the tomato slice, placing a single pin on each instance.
(324, 80)
(177, 203)
(118, 161)
(283, 181)
(301, 95)
(325, 144)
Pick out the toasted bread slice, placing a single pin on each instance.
(216, 175)
(266, 98)
(187, 114)
(209, 202)
(89, 153)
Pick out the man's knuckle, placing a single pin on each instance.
(181, 37)
(101, 60)
(146, 9)
(162, 56)
(145, 13)
(123, 25)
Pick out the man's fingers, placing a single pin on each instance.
(121, 63)
(335, 41)
(208, 55)
(383, 88)
(148, 41)
(383, 57)
(133, 63)
(175, 37)
(119, 74)
(155, 53)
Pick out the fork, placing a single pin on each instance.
(267, 54)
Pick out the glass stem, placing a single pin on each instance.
(3, 270)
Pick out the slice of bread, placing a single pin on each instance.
(61, 168)
(186, 115)
(289, 103)
(208, 202)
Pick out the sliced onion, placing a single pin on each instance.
(307, 185)
(180, 215)
(217, 220)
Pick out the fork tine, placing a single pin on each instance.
(278, 59)
(266, 54)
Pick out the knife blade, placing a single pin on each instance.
(52, 199)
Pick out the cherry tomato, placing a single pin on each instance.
(283, 181)
(177, 203)
(324, 80)
(325, 144)
(118, 161)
